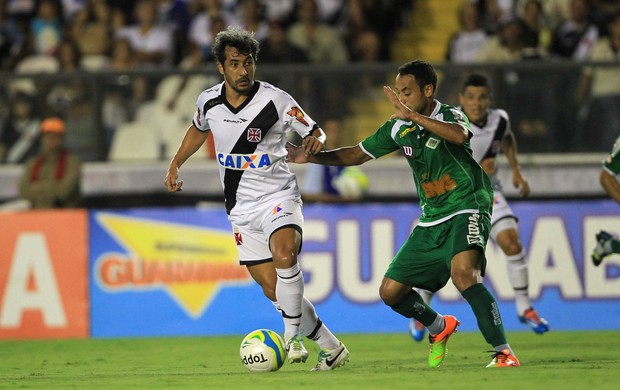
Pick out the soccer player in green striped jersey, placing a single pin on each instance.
(456, 201)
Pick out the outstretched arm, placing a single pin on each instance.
(349, 155)
(611, 185)
(192, 141)
(509, 147)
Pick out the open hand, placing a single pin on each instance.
(296, 154)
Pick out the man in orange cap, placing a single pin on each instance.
(52, 178)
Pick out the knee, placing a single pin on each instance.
(284, 256)
(464, 278)
(389, 296)
(512, 248)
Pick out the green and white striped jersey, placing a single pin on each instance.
(448, 179)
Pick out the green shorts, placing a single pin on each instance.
(424, 259)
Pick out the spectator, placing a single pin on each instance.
(46, 29)
(200, 31)
(465, 45)
(19, 137)
(507, 46)
(276, 48)
(535, 33)
(321, 42)
(52, 178)
(151, 43)
(598, 94)
(93, 27)
(575, 36)
(12, 40)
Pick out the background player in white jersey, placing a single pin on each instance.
(607, 243)
(249, 121)
(492, 135)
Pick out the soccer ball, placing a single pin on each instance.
(262, 350)
(351, 184)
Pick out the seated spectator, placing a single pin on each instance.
(575, 36)
(598, 94)
(151, 43)
(321, 42)
(93, 27)
(19, 137)
(52, 178)
(535, 34)
(12, 40)
(505, 47)
(465, 45)
(276, 48)
(46, 29)
(201, 31)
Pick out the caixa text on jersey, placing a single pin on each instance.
(245, 161)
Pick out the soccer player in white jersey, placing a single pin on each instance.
(249, 120)
(492, 135)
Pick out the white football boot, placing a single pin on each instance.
(295, 350)
(330, 359)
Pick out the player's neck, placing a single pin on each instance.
(235, 98)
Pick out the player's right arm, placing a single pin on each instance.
(346, 156)
(192, 141)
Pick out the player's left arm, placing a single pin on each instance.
(509, 147)
(453, 132)
(610, 184)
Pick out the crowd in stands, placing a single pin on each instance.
(119, 35)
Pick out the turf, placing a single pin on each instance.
(557, 360)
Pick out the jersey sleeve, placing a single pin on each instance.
(454, 115)
(612, 163)
(381, 142)
(508, 129)
(295, 118)
(200, 116)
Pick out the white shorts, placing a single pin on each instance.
(502, 217)
(252, 231)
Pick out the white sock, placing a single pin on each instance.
(426, 295)
(314, 328)
(517, 273)
(289, 293)
(438, 325)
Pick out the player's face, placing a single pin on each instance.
(475, 102)
(411, 95)
(238, 70)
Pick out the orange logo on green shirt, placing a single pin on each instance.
(438, 187)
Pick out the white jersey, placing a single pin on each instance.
(487, 143)
(250, 143)
(487, 140)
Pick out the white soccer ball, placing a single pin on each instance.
(262, 350)
(351, 184)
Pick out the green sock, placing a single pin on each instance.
(413, 306)
(615, 246)
(487, 313)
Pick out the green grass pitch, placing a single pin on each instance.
(556, 360)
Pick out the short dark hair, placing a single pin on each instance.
(423, 72)
(475, 80)
(241, 40)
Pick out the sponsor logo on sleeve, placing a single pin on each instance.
(296, 113)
